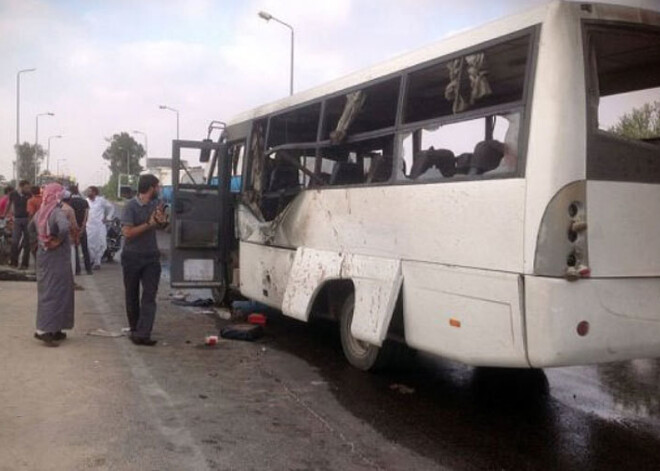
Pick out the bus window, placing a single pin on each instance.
(491, 77)
(437, 152)
(286, 173)
(236, 154)
(357, 163)
(370, 109)
(620, 55)
(624, 86)
(299, 125)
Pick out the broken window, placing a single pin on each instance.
(370, 109)
(300, 125)
(363, 162)
(489, 77)
(474, 147)
(624, 105)
(287, 173)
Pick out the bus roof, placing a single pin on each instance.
(445, 46)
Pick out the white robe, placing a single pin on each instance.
(99, 210)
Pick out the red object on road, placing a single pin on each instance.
(257, 319)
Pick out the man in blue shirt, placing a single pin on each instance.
(140, 258)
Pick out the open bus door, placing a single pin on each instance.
(202, 221)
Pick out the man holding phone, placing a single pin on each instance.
(140, 258)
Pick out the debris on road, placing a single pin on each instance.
(199, 302)
(104, 333)
(206, 311)
(256, 319)
(211, 340)
(179, 295)
(247, 332)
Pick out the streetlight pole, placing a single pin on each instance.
(164, 107)
(146, 144)
(36, 127)
(267, 16)
(18, 115)
(58, 165)
(48, 157)
(36, 142)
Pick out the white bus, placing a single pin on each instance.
(467, 198)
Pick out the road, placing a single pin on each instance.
(290, 402)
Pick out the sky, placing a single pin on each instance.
(104, 67)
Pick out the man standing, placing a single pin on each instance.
(140, 258)
(99, 210)
(34, 203)
(81, 209)
(18, 204)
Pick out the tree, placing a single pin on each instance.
(640, 123)
(116, 154)
(29, 161)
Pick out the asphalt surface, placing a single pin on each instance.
(290, 402)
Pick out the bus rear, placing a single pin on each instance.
(595, 293)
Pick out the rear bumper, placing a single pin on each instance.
(623, 317)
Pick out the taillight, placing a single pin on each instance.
(561, 248)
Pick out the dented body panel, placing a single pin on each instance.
(376, 281)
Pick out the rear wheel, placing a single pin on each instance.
(360, 354)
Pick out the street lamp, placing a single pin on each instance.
(267, 16)
(36, 127)
(163, 107)
(48, 158)
(58, 165)
(18, 113)
(146, 142)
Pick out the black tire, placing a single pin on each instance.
(360, 354)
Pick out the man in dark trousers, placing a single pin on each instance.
(81, 209)
(20, 239)
(140, 258)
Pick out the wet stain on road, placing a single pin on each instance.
(500, 419)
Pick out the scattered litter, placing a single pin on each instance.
(224, 314)
(203, 396)
(242, 332)
(125, 330)
(188, 341)
(402, 388)
(206, 311)
(195, 302)
(180, 295)
(251, 306)
(263, 349)
(211, 340)
(256, 319)
(104, 333)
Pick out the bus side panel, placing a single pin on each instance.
(623, 320)
(477, 224)
(472, 316)
(265, 272)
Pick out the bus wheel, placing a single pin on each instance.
(360, 354)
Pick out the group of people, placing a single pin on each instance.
(87, 218)
(53, 228)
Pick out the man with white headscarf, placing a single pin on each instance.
(100, 210)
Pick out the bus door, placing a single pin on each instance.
(201, 217)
